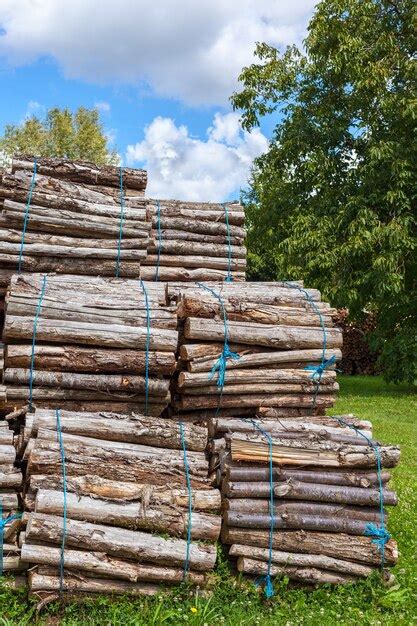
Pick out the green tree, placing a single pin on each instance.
(78, 136)
(333, 199)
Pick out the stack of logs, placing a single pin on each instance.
(74, 219)
(325, 494)
(10, 486)
(195, 241)
(275, 332)
(94, 344)
(126, 503)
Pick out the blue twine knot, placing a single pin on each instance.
(221, 364)
(380, 534)
(318, 370)
(11, 518)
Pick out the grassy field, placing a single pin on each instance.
(393, 411)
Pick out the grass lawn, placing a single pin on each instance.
(393, 411)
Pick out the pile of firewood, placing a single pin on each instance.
(101, 344)
(358, 358)
(10, 486)
(195, 241)
(76, 219)
(121, 506)
(272, 331)
(325, 496)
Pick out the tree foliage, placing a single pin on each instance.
(333, 199)
(78, 136)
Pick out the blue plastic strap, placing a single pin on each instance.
(221, 363)
(318, 370)
(148, 342)
(229, 277)
(26, 218)
(380, 533)
(3, 523)
(64, 493)
(269, 587)
(158, 227)
(190, 500)
(122, 211)
(35, 326)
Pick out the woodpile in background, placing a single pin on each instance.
(195, 241)
(93, 345)
(325, 494)
(126, 503)
(274, 332)
(357, 359)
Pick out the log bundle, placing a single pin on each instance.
(127, 503)
(95, 349)
(10, 501)
(76, 219)
(274, 333)
(194, 241)
(325, 496)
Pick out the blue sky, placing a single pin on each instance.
(160, 73)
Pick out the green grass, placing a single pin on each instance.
(393, 412)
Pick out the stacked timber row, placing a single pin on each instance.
(274, 332)
(10, 490)
(101, 344)
(127, 503)
(193, 241)
(325, 497)
(74, 219)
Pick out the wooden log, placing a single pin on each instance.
(312, 492)
(276, 293)
(10, 477)
(168, 235)
(296, 521)
(285, 337)
(257, 506)
(302, 560)
(203, 357)
(12, 564)
(236, 216)
(203, 500)
(155, 466)
(78, 359)
(355, 478)
(82, 171)
(161, 433)
(7, 454)
(253, 377)
(8, 500)
(259, 388)
(209, 262)
(167, 273)
(329, 454)
(120, 542)
(309, 575)
(77, 584)
(71, 251)
(195, 248)
(236, 310)
(107, 246)
(104, 565)
(128, 269)
(19, 397)
(139, 516)
(103, 335)
(339, 545)
(320, 424)
(198, 226)
(94, 382)
(253, 400)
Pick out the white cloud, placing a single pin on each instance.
(34, 109)
(189, 50)
(103, 107)
(182, 166)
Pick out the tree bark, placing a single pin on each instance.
(194, 248)
(253, 400)
(186, 274)
(309, 575)
(355, 478)
(256, 377)
(77, 583)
